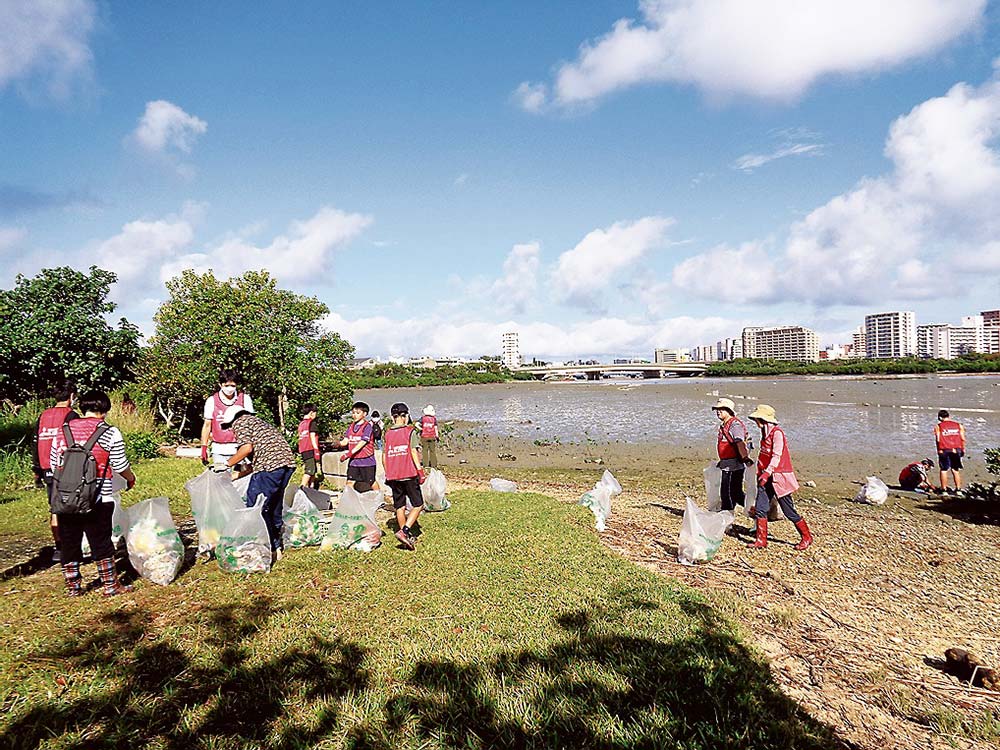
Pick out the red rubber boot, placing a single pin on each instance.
(761, 541)
(807, 537)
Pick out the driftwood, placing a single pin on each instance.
(968, 668)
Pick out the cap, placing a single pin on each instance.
(764, 413)
(230, 414)
(928, 462)
(725, 403)
(399, 409)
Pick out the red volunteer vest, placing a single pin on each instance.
(911, 471)
(398, 458)
(429, 428)
(49, 427)
(726, 446)
(220, 435)
(355, 435)
(949, 436)
(305, 442)
(82, 429)
(767, 450)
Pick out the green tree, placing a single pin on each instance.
(270, 335)
(54, 327)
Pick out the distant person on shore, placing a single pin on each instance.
(48, 428)
(360, 445)
(914, 476)
(309, 448)
(377, 429)
(223, 441)
(734, 456)
(128, 405)
(404, 472)
(775, 478)
(949, 436)
(428, 425)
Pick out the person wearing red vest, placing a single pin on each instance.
(309, 447)
(223, 441)
(949, 436)
(48, 427)
(404, 472)
(428, 425)
(109, 454)
(360, 443)
(733, 454)
(914, 476)
(775, 478)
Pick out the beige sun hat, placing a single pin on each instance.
(429, 410)
(725, 403)
(764, 413)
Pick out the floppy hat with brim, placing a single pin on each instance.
(230, 414)
(429, 410)
(764, 413)
(725, 403)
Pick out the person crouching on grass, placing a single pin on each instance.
(775, 478)
(404, 471)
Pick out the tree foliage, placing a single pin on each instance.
(907, 365)
(53, 327)
(270, 335)
(401, 376)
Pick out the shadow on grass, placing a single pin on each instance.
(594, 686)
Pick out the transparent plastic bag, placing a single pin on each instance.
(242, 485)
(599, 499)
(502, 485)
(353, 525)
(701, 533)
(301, 526)
(213, 501)
(245, 546)
(713, 489)
(874, 492)
(433, 491)
(154, 546)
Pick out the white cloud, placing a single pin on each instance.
(137, 252)
(461, 179)
(46, 41)
(750, 162)
(164, 127)
(772, 49)
(516, 289)
(582, 273)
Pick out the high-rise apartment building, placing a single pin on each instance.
(991, 331)
(666, 356)
(511, 351)
(943, 341)
(858, 346)
(749, 341)
(781, 342)
(891, 334)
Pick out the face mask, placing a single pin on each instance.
(229, 391)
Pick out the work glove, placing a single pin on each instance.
(344, 457)
(317, 455)
(762, 479)
(421, 476)
(204, 454)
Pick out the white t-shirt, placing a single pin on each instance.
(210, 404)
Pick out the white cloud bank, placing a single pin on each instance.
(770, 49)
(46, 41)
(516, 289)
(166, 127)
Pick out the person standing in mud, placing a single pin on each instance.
(428, 425)
(734, 456)
(949, 436)
(775, 478)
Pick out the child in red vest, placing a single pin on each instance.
(309, 447)
(360, 443)
(48, 428)
(949, 436)
(429, 437)
(404, 471)
(223, 441)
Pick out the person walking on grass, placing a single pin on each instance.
(360, 443)
(404, 471)
(775, 478)
(949, 436)
(272, 461)
(223, 441)
(734, 455)
(428, 424)
(309, 448)
(108, 450)
(47, 429)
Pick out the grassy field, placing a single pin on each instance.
(510, 626)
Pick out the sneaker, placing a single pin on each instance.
(56, 557)
(277, 555)
(405, 539)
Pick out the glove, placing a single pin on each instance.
(762, 479)
(344, 457)
(318, 456)
(204, 454)
(421, 476)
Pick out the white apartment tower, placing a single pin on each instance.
(781, 342)
(511, 351)
(858, 346)
(891, 334)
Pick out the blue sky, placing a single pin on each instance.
(604, 177)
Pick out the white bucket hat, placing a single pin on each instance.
(429, 410)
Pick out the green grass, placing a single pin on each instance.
(510, 626)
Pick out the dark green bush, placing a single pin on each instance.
(140, 445)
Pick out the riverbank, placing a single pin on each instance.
(966, 364)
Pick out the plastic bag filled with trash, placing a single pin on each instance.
(713, 488)
(599, 499)
(154, 546)
(353, 525)
(213, 500)
(502, 485)
(244, 546)
(433, 491)
(874, 492)
(301, 526)
(701, 534)
(242, 485)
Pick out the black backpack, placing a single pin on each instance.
(76, 484)
(377, 429)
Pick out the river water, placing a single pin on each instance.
(822, 415)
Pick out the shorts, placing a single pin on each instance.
(361, 474)
(405, 489)
(309, 459)
(950, 460)
(222, 452)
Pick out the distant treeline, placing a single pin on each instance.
(401, 376)
(968, 363)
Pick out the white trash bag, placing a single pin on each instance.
(353, 525)
(502, 485)
(433, 491)
(713, 490)
(874, 492)
(701, 534)
(213, 501)
(301, 527)
(242, 485)
(244, 546)
(599, 499)
(154, 546)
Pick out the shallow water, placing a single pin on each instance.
(822, 415)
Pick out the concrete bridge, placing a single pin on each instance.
(594, 372)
